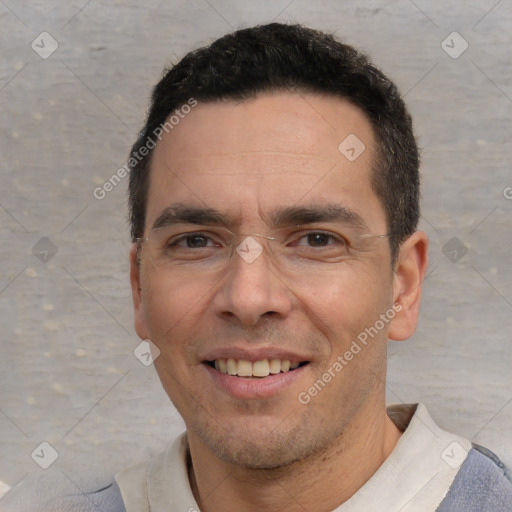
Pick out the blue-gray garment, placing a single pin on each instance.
(107, 499)
(483, 484)
(54, 495)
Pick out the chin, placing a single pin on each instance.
(262, 448)
(258, 455)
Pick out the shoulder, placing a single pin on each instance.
(107, 498)
(53, 494)
(483, 484)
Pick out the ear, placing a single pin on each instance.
(410, 270)
(138, 307)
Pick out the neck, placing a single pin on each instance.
(321, 482)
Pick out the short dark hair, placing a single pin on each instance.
(278, 57)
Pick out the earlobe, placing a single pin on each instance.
(410, 270)
(138, 306)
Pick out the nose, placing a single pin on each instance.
(251, 290)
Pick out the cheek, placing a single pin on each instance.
(172, 313)
(347, 304)
(343, 297)
(171, 308)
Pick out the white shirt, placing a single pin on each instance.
(414, 478)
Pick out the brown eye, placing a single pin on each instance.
(318, 239)
(196, 241)
(192, 241)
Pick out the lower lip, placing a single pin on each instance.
(256, 387)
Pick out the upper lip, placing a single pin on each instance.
(253, 354)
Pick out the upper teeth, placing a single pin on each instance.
(263, 368)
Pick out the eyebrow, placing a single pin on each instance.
(184, 214)
(179, 213)
(317, 213)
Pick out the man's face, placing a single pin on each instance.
(250, 161)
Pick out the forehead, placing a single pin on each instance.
(245, 158)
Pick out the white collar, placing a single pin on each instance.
(414, 478)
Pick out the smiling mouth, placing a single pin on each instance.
(258, 369)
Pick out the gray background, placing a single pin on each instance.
(68, 375)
